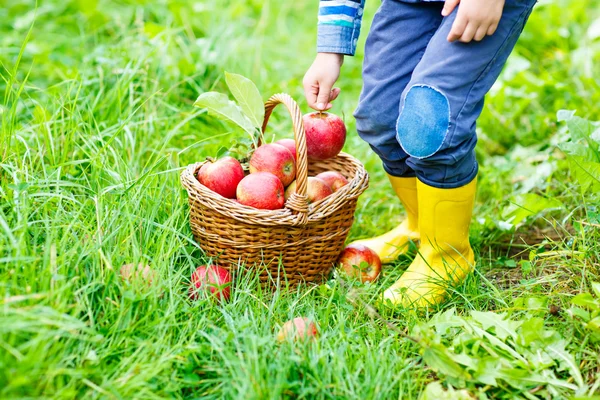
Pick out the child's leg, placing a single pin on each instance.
(444, 98)
(398, 38)
(436, 128)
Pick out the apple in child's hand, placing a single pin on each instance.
(261, 190)
(334, 179)
(222, 176)
(141, 272)
(360, 262)
(325, 135)
(289, 144)
(276, 159)
(210, 278)
(299, 328)
(316, 189)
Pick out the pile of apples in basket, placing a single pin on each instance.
(273, 167)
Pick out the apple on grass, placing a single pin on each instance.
(360, 262)
(210, 278)
(334, 179)
(139, 272)
(300, 328)
(289, 144)
(276, 159)
(261, 190)
(316, 189)
(222, 176)
(325, 135)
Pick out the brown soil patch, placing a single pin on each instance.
(518, 245)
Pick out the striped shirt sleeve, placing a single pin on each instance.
(339, 25)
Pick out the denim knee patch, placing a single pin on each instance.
(423, 122)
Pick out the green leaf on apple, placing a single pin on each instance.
(248, 97)
(241, 149)
(222, 152)
(219, 104)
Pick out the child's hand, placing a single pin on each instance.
(319, 79)
(474, 20)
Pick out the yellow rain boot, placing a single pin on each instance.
(445, 255)
(395, 242)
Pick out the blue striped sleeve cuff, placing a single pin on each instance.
(339, 26)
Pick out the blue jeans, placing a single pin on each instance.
(422, 95)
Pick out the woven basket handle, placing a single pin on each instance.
(299, 201)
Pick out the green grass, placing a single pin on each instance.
(97, 123)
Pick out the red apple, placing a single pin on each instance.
(359, 261)
(289, 144)
(211, 278)
(334, 179)
(222, 176)
(261, 190)
(276, 159)
(132, 272)
(316, 189)
(325, 135)
(299, 328)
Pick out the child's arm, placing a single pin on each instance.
(474, 19)
(338, 30)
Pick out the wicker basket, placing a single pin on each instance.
(301, 240)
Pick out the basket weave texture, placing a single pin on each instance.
(301, 241)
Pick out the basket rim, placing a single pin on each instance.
(316, 212)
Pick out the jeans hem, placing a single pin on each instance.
(451, 185)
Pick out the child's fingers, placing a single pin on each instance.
(311, 90)
(469, 33)
(458, 27)
(449, 6)
(492, 29)
(481, 32)
(334, 94)
(324, 96)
